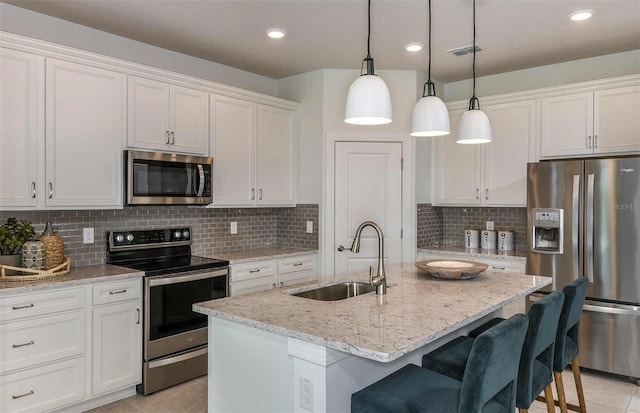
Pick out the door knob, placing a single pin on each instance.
(342, 248)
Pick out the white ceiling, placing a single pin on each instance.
(514, 34)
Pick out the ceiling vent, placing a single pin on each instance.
(461, 51)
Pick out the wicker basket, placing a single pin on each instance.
(35, 275)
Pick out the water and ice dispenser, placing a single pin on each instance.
(548, 229)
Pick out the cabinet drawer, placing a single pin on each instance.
(252, 270)
(117, 291)
(252, 286)
(40, 340)
(285, 280)
(29, 305)
(505, 265)
(43, 388)
(293, 264)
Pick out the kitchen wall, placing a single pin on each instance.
(444, 226)
(257, 227)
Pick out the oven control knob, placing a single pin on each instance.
(185, 234)
(177, 234)
(119, 238)
(130, 237)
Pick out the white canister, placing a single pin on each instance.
(489, 239)
(505, 240)
(471, 238)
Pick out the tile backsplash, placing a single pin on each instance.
(257, 227)
(444, 226)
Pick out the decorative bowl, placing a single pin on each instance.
(452, 269)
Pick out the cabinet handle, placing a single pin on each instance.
(253, 194)
(23, 344)
(117, 292)
(173, 138)
(297, 264)
(486, 193)
(260, 199)
(477, 193)
(166, 133)
(595, 141)
(50, 190)
(499, 268)
(589, 141)
(273, 285)
(252, 271)
(281, 284)
(20, 307)
(33, 189)
(17, 396)
(137, 316)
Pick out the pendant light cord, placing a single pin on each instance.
(474, 49)
(429, 70)
(369, 31)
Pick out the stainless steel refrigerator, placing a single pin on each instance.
(583, 219)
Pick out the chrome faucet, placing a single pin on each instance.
(379, 280)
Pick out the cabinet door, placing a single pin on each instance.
(513, 126)
(189, 124)
(233, 142)
(148, 109)
(84, 135)
(276, 154)
(617, 120)
(567, 125)
(21, 129)
(457, 168)
(117, 346)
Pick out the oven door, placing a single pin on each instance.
(170, 323)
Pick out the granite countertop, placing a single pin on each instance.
(416, 310)
(259, 254)
(77, 276)
(516, 255)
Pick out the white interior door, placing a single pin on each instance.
(368, 187)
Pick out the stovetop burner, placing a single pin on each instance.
(157, 251)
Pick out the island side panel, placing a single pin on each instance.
(249, 369)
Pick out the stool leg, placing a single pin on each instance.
(523, 410)
(562, 399)
(575, 367)
(548, 398)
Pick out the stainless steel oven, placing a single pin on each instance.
(156, 178)
(175, 337)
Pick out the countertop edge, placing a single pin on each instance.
(493, 255)
(261, 256)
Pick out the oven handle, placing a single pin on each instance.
(177, 359)
(173, 279)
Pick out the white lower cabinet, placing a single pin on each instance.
(263, 275)
(69, 345)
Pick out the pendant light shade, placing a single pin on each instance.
(474, 124)
(368, 100)
(430, 115)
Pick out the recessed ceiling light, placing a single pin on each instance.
(414, 47)
(276, 33)
(579, 15)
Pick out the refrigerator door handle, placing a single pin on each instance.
(589, 226)
(611, 308)
(575, 215)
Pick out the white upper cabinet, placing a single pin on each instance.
(167, 117)
(602, 122)
(489, 174)
(21, 128)
(253, 149)
(85, 112)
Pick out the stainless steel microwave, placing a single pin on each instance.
(157, 178)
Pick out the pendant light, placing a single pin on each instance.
(368, 100)
(474, 125)
(430, 115)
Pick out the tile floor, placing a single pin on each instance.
(603, 394)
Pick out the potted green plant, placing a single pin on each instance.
(13, 234)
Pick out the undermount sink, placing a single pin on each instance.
(337, 291)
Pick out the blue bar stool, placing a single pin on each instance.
(488, 384)
(536, 362)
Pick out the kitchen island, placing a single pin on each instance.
(274, 352)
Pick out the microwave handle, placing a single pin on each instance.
(201, 181)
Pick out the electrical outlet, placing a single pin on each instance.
(489, 224)
(87, 236)
(306, 394)
(234, 228)
(309, 227)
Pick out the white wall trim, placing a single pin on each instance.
(580, 87)
(408, 192)
(48, 49)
